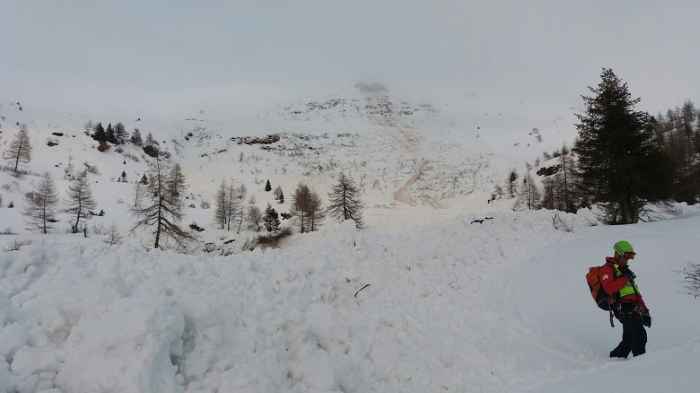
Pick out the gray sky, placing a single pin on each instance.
(528, 59)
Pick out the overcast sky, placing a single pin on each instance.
(529, 59)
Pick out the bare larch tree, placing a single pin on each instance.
(41, 204)
(20, 149)
(345, 203)
(165, 209)
(80, 200)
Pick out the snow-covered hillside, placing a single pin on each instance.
(498, 306)
(400, 154)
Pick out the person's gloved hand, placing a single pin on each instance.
(644, 315)
(628, 273)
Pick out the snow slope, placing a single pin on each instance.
(500, 306)
(400, 154)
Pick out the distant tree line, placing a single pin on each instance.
(306, 211)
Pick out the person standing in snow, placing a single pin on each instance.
(629, 308)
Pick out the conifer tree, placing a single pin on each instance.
(20, 149)
(617, 156)
(228, 206)
(150, 146)
(220, 210)
(511, 184)
(111, 135)
(271, 219)
(80, 200)
(345, 203)
(150, 141)
(136, 137)
(300, 206)
(176, 184)
(278, 194)
(165, 210)
(120, 134)
(687, 116)
(41, 203)
(268, 186)
(99, 133)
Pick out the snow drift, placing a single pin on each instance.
(493, 307)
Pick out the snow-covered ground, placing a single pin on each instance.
(451, 306)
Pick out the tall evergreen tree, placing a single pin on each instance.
(150, 146)
(136, 137)
(80, 200)
(268, 186)
(111, 135)
(687, 118)
(41, 204)
(20, 149)
(99, 133)
(345, 203)
(615, 150)
(120, 134)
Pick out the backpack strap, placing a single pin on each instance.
(612, 324)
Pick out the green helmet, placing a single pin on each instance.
(623, 246)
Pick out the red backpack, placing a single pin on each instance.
(602, 299)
